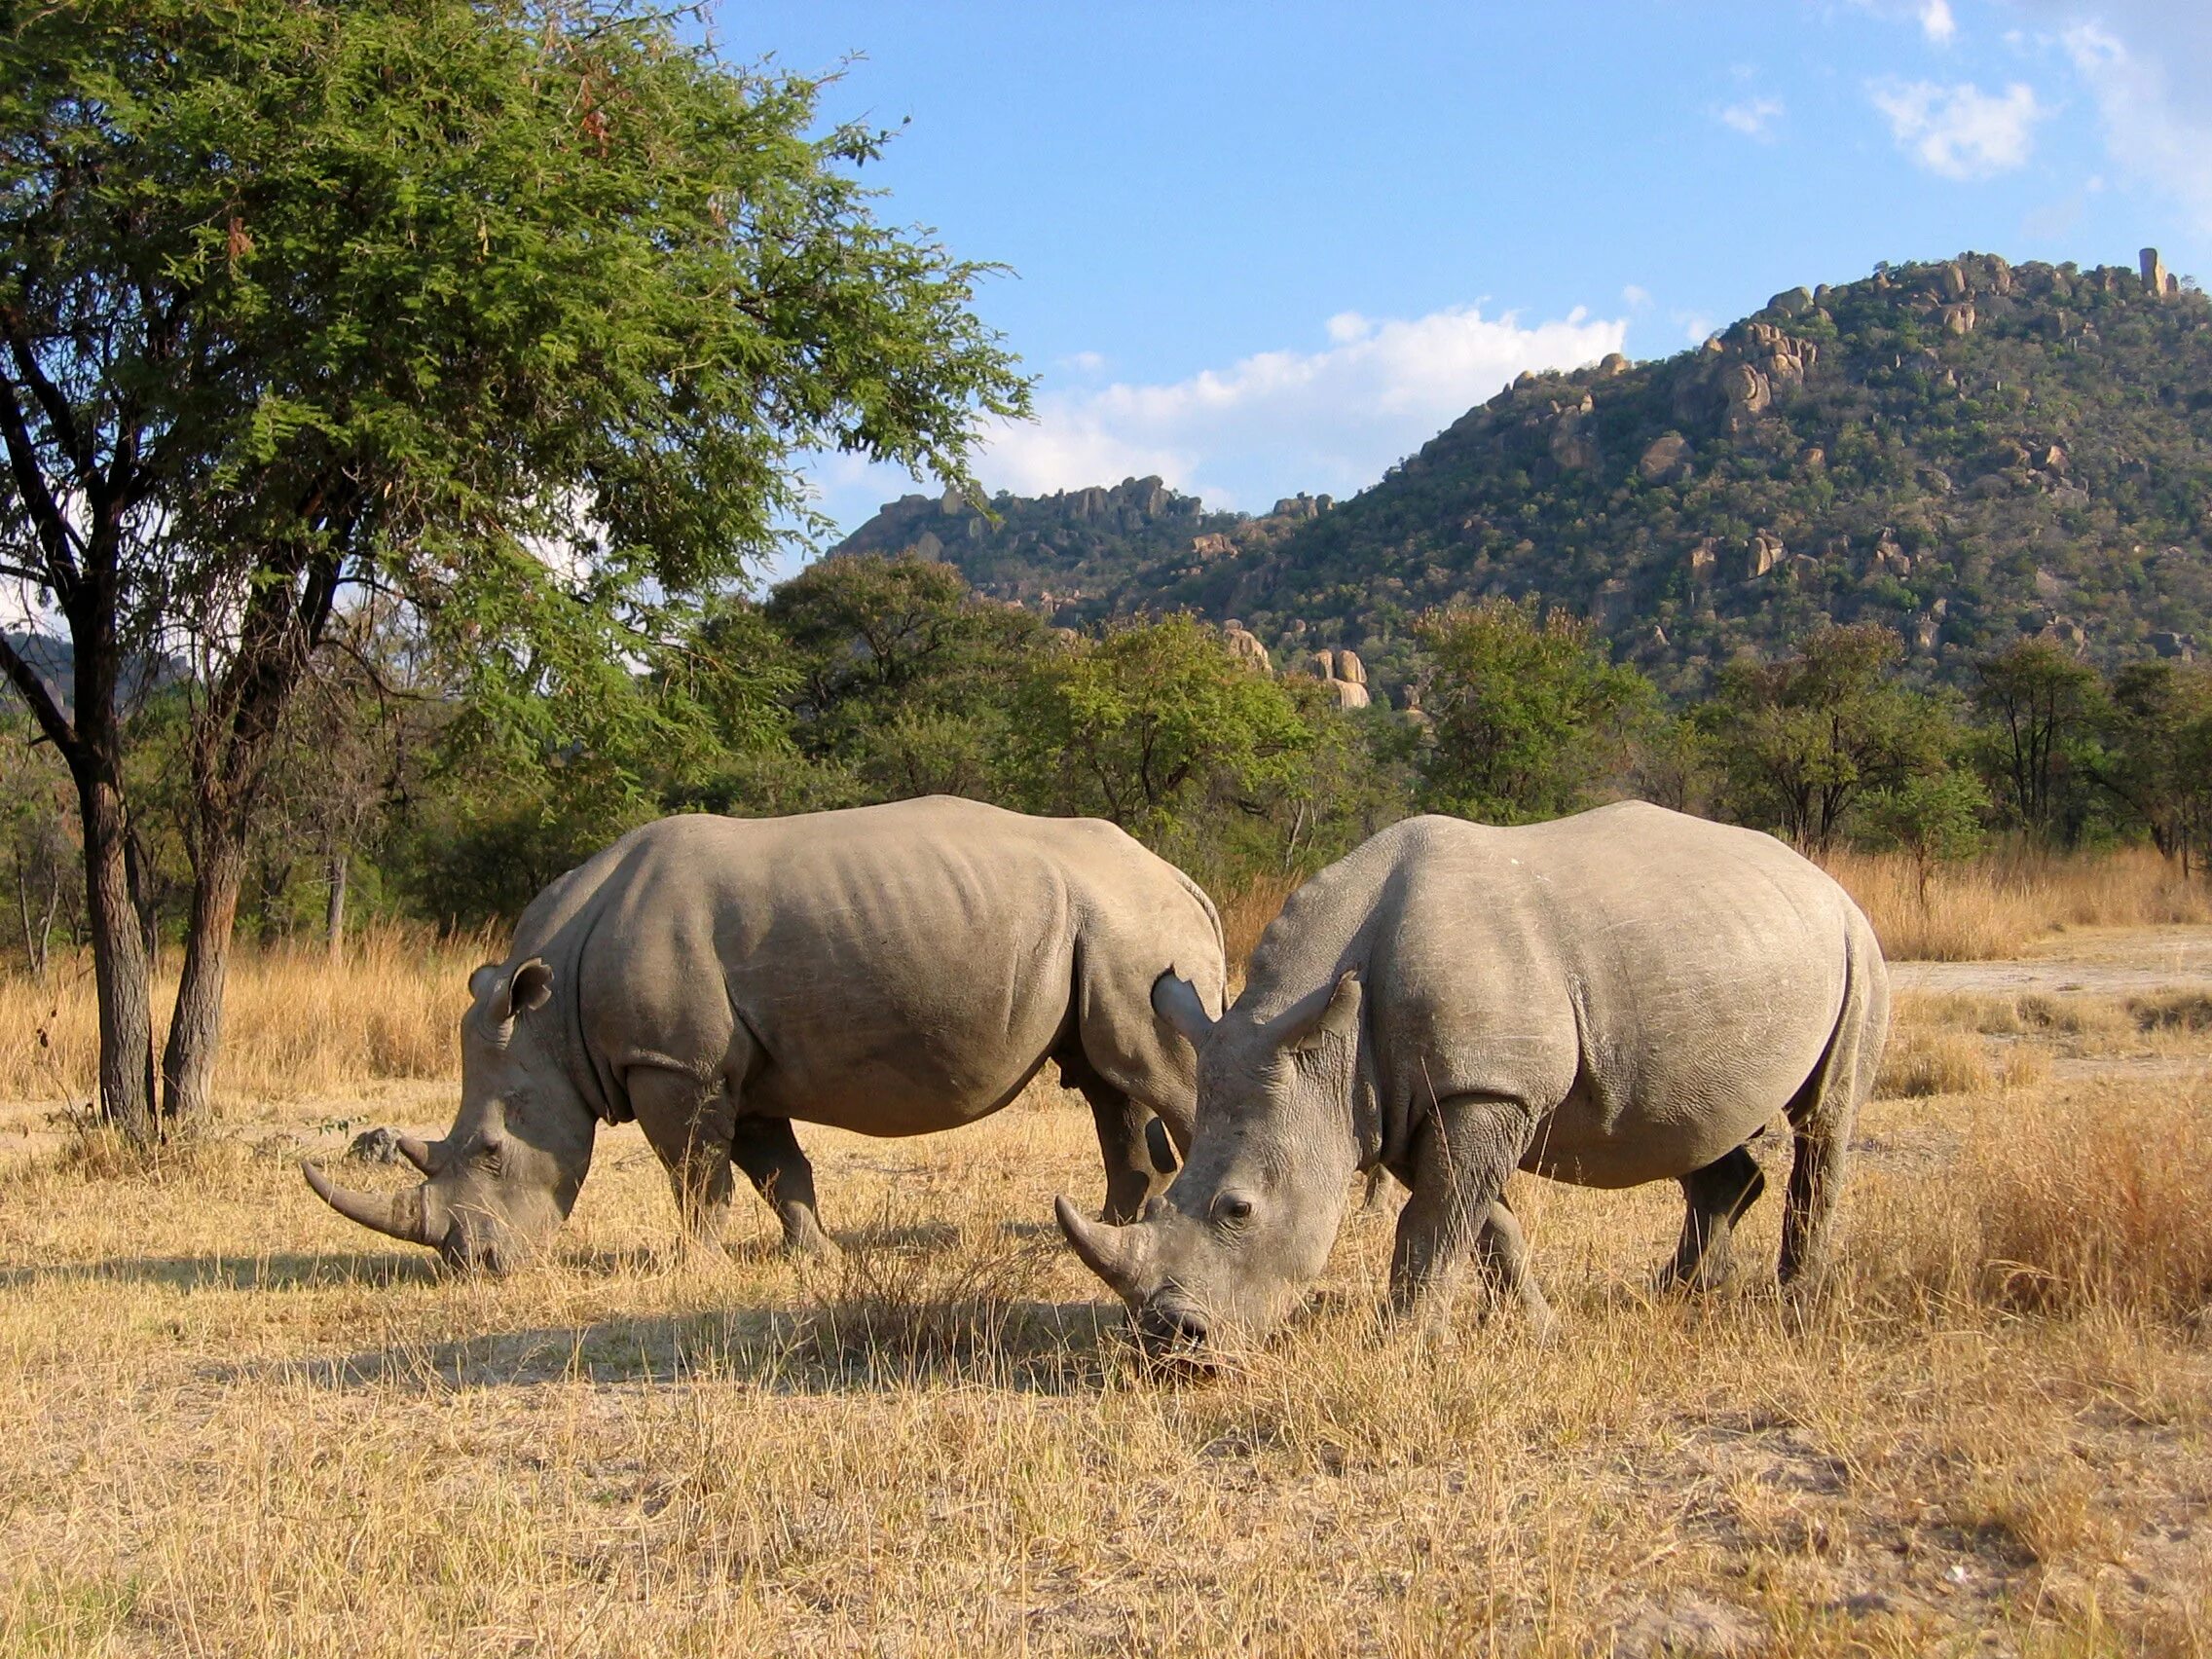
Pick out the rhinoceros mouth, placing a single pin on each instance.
(1169, 1325)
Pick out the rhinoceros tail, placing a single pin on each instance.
(1827, 1105)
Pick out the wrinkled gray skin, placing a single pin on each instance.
(1625, 996)
(890, 970)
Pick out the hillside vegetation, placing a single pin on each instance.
(1965, 451)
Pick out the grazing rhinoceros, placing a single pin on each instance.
(891, 970)
(1625, 996)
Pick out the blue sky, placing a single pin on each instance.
(1259, 249)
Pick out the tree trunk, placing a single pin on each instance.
(195, 1028)
(334, 914)
(121, 969)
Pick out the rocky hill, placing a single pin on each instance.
(1965, 450)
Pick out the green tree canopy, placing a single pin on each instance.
(523, 311)
(2039, 704)
(1137, 725)
(1529, 714)
(1803, 739)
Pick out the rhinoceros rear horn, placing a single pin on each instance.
(1115, 1254)
(399, 1216)
(417, 1154)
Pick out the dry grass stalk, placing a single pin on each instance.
(1997, 905)
(295, 1023)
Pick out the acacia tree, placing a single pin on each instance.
(1803, 740)
(2037, 702)
(1527, 711)
(523, 311)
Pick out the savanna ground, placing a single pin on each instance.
(236, 1423)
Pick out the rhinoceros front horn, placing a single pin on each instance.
(1113, 1253)
(399, 1216)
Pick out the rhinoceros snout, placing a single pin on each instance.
(1167, 1328)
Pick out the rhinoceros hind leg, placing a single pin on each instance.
(1827, 1108)
(769, 1154)
(1714, 1200)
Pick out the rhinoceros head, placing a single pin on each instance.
(501, 1184)
(1225, 1252)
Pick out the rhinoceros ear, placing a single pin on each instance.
(504, 996)
(1339, 1018)
(531, 987)
(1176, 1000)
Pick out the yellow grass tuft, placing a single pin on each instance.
(295, 1024)
(2098, 1201)
(1999, 904)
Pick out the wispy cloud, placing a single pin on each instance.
(1936, 22)
(2152, 96)
(1331, 419)
(1960, 131)
(1637, 298)
(1753, 118)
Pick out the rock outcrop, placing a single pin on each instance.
(1244, 645)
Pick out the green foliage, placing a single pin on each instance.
(1139, 723)
(1529, 715)
(2040, 707)
(2158, 753)
(1802, 740)
(2050, 463)
(1936, 817)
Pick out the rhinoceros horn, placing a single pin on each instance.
(1115, 1254)
(399, 1216)
(417, 1154)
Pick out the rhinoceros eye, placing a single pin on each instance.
(1232, 1210)
(492, 1156)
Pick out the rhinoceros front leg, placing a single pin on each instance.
(688, 1126)
(1715, 1198)
(769, 1154)
(1133, 1140)
(1462, 1155)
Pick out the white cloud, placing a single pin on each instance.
(1753, 117)
(2147, 66)
(1696, 328)
(1084, 362)
(1279, 421)
(1936, 22)
(1637, 298)
(1961, 131)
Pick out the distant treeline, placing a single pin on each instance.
(870, 679)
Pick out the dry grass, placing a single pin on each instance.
(295, 1024)
(240, 1425)
(1996, 907)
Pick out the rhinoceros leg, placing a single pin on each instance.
(769, 1154)
(1827, 1108)
(1504, 1251)
(1462, 1155)
(1139, 1157)
(687, 1125)
(1715, 1198)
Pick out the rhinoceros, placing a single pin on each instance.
(890, 970)
(1624, 996)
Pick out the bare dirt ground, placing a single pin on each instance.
(238, 1424)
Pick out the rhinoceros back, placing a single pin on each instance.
(1655, 985)
(891, 970)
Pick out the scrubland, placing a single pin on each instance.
(239, 1424)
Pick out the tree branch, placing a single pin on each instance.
(34, 693)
